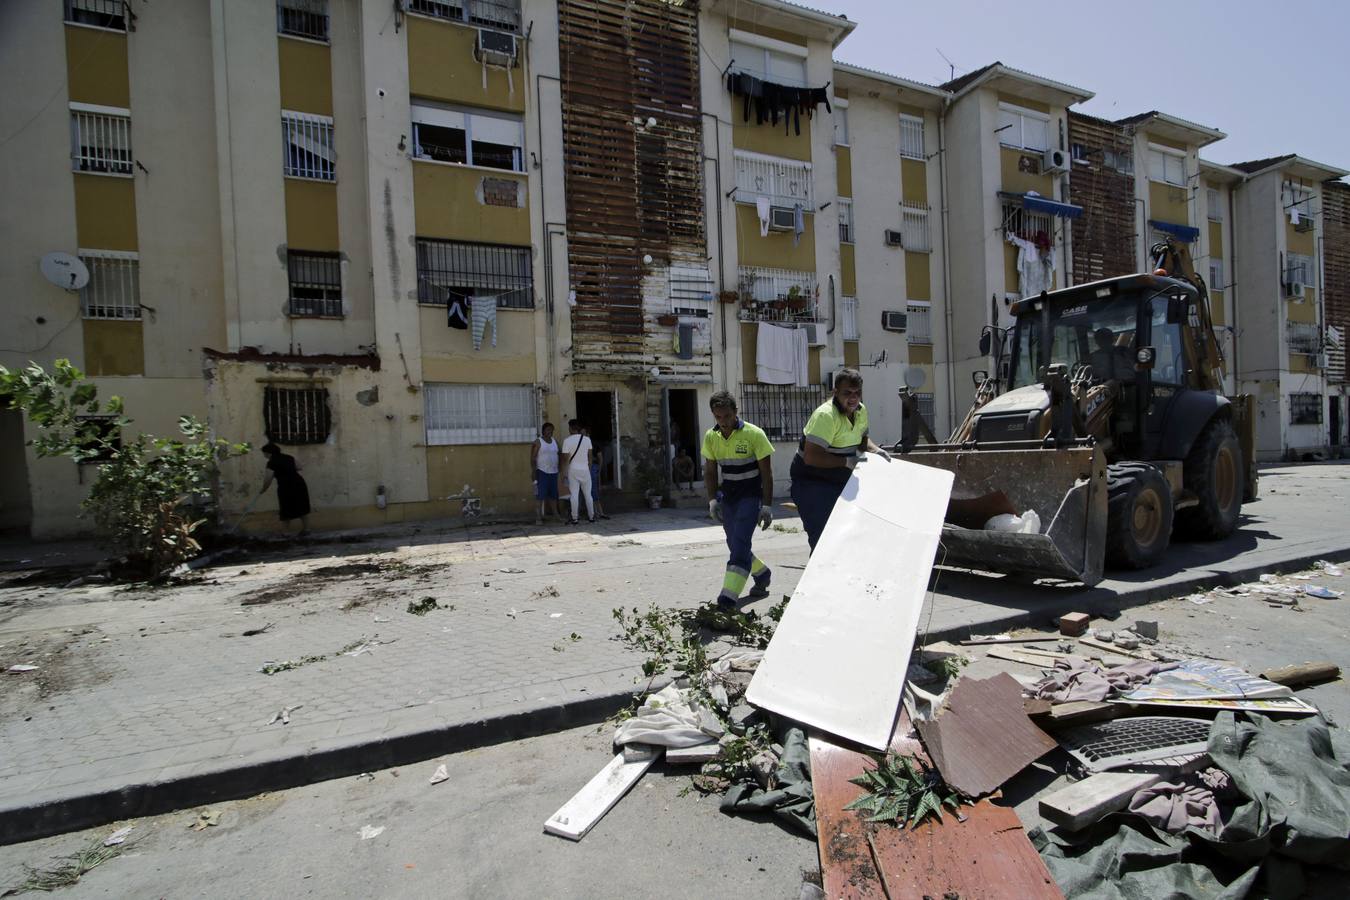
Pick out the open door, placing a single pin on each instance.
(618, 444)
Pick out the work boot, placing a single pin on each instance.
(761, 586)
(726, 604)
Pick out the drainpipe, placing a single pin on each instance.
(551, 229)
(946, 257)
(721, 251)
(1231, 289)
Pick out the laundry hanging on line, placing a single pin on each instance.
(771, 100)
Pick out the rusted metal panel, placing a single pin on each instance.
(1102, 182)
(1336, 273)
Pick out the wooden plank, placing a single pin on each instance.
(589, 805)
(1082, 803)
(1040, 662)
(680, 756)
(1078, 712)
(1303, 674)
(846, 868)
(1021, 640)
(1102, 645)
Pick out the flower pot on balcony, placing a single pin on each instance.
(728, 297)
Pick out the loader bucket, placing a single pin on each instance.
(1065, 486)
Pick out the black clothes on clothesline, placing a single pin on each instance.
(770, 100)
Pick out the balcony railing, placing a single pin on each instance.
(777, 295)
(1303, 337)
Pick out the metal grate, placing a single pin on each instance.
(296, 415)
(502, 15)
(100, 142)
(303, 18)
(914, 227)
(453, 269)
(114, 288)
(1303, 337)
(690, 290)
(919, 323)
(926, 408)
(103, 13)
(777, 295)
(315, 283)
(481, 413)
(780, 409)
(1305, 409)
(1300, 268)
(846, 232)
(1136, 740)
(911, 137)
(307, 145)
(785, 182)
(849, 318)
(1025, 223)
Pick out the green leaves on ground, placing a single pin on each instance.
(900, 793)
(68, 869)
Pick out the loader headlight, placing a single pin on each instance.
(1144, 356)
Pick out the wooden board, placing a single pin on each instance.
(1021, 640)
(1030, 659)
(1080, 804)
(701, 753)
(589, 805)
(1078, 712)
(838, 658)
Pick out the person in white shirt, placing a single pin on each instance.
(576, 454)
(544, 462)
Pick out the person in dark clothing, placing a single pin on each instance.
(292, 492)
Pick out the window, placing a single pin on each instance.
(1170, 364)
(307, 145)
(502, 15)
(1024, 128)
(316, 283)
(780, 409)
(926, 408)
(103, 13)
(100, 139)
(1303, 337)
(786, 182)
(303, 18)
(914, 227)
(1214, 200)
(1305, 409)
(840, 124)
(780, 67)
(1216, 276)
(296, 415)
(846, 233)
(1296, 200)
(480, 413)
(1121, 161)
(1168, 166)
(850, 318)
(1026, 224)
(911, 137)
(765, 285)
(448, 134)
(453, 270)
(114, 288)
(1300, 269)
(691, 290)
(919, 322)
(1079, 153)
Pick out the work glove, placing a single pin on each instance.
(883, 454)
(765, 518)
(715, 509)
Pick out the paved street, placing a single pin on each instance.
(145, 697)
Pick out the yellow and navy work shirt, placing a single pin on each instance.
(738, 457)
(830, 429)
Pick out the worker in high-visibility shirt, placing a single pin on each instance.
(738, 453)
(833, 442)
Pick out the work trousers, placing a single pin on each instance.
(579, 483)
(739, 518)
(815, 499)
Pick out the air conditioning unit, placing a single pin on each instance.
(782, 218)
(496, 47)
(894, 238)
(1317, 360)
(894, 320)
(1055, 161)
(815, 335)
(1293, 291)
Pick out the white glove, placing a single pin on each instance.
(715, 509)
(883, 454)
(765, 518)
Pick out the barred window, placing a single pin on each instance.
(296, 415)
(103, 13)
(114, 288)
(926, 408)
(840, 125)
(474, 138)
(453, 270)
(1216, 276)
(100, 139)
(1027, 224)
(1300, 268)
(911, 137)
(1305, 409)
(1214, 200)
(307, 145)
(846, 233)
(780, 409)
(481, 413)
(502, 15)
(303, 18)
(914, 227)
(315, 283)
(786, 182)
(849, 317)
(919, 322)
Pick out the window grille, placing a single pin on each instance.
(841, 126)
(1303, 337)
(447, 134)
(914, 227)
(777, 295)
(919, 323)
(1026, 224)
(926, 409)
(785, 182)
(1169, 168)
(502, 15)
(296, 415)
(1296, 196)
(452, 270)
(114, 288)
(315, 282)
(911, 137)
(1216, 276)
(307, 145)
(100, 141)
(691, 290)
(780, 409)
(303, 18)
(769, 65)
(103, 13)
(850, 318)
(1023, 128)
(1300, 269)
(481, 413)
(846, 232)
(1305, 409)
(1214, 200)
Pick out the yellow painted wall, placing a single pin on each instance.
(851, 354)
(445, 199)
(1024, 103)
(1167, 203)
(499, 474)
(921, 355)
(1300, 362)
(96, 63)
(311, 215)
(1303, 312)
(448, 354)
(113, 348)
(441, 66)
(913, 181)
(775, 250)
(1216, 239)
(1216, 308)
(1020, 182)
(848, 270)
(306, 76)
(843, 161)
(768, 138)
(918, 282)
(105, 212)
(1304, 242)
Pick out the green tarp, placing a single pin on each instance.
(792, 801)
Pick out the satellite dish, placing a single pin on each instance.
(915, 377)
(64, 270)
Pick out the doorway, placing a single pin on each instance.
(16, 509)
(597, 411)
(1335, 419)
(682, 423)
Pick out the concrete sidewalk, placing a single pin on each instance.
(150, 700)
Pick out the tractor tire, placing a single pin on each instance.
(1213, 473)
(1139, 515)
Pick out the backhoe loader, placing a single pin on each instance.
(1105, 416)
